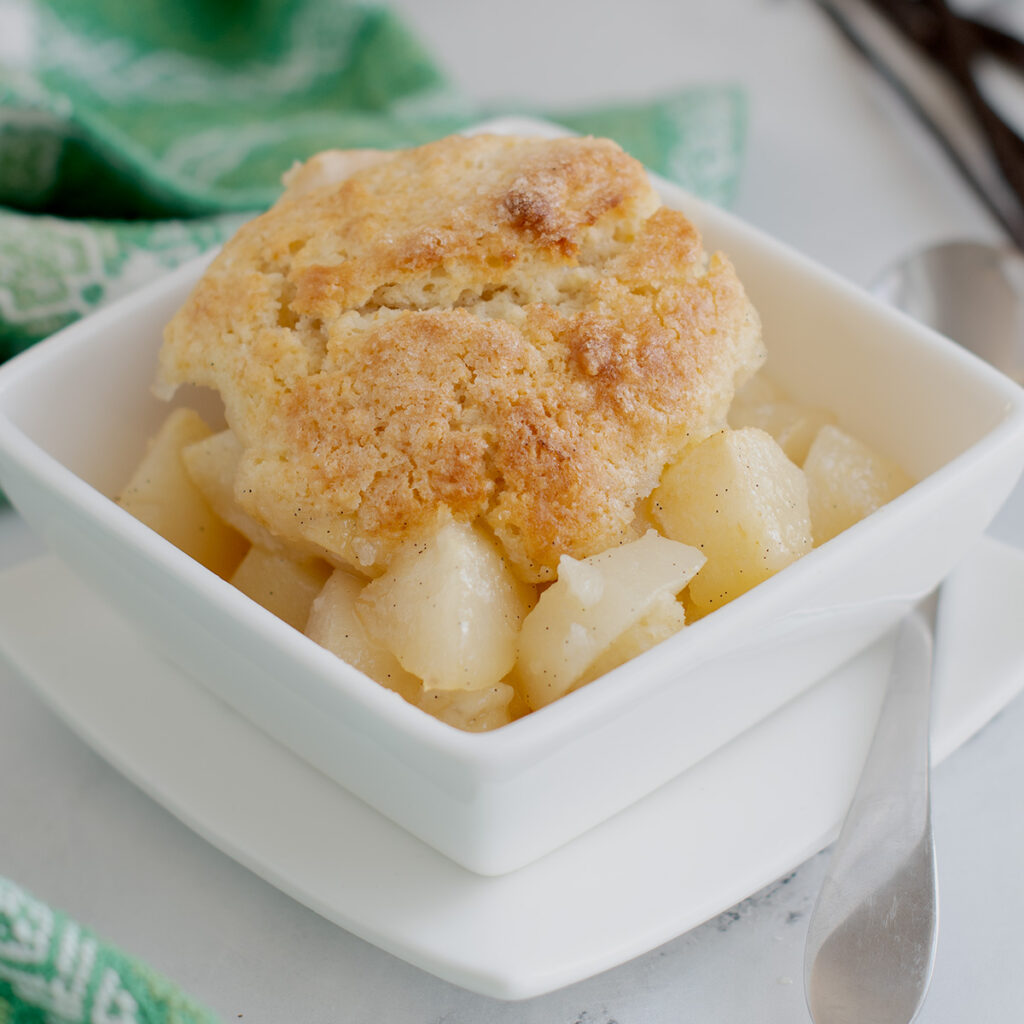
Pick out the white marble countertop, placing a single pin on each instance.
(835, 169)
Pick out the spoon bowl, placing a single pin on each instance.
(972, 292)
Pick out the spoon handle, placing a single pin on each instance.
(872, 935)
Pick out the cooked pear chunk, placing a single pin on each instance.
(793, 426)
(738, 498)
(762, 403)
(335, 624)
(758, 390)
(470, 710)
(665, 617)
(587, 616)
(212, 463)
(162, 495)
(282, 585)
(449, 609)
(846, 481)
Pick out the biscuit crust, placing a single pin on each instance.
(491, 328)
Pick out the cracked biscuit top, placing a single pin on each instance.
(510, 330)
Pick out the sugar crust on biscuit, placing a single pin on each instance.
(491, 328)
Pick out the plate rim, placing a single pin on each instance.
(472, 966)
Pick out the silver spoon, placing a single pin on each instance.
(873, 933)
(971, 292)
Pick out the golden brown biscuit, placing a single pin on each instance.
(330, 167)
(491, 327)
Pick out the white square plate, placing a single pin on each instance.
(734, 823)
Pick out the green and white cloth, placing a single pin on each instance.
(53, 971)
(135, 135)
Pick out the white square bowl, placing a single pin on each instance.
(75, 413)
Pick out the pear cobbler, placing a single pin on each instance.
(494, 422)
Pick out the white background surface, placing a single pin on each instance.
(834, 168)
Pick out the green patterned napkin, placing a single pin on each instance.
(52, 971)
(134, 134)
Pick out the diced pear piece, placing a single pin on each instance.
(470, 710)
(758, 390)
(162, 495)
(793, 426)
(282, 585)
(762, 403)
(591, 606)
(847, 480)
(449, 609)
(743, 503)
(665, 617)
(212, 464)
(334, 623)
